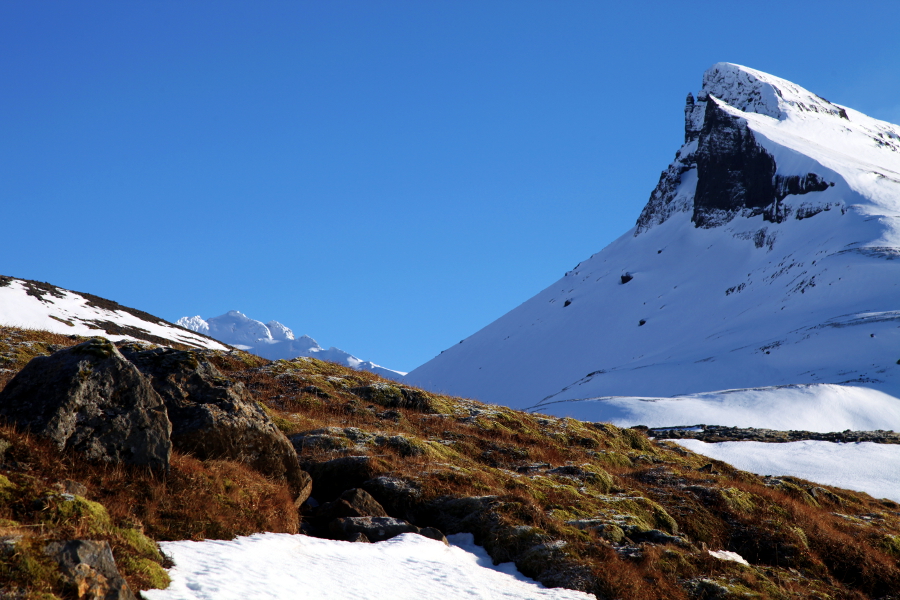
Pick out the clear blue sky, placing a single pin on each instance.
(387, 177)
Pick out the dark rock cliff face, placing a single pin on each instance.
(734, 173)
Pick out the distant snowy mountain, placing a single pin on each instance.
(767, 255)
(38, 305)
(273, 340)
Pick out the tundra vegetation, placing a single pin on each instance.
(588, 506)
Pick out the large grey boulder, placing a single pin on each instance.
(91, 569)
(215, 417)
(90, 399)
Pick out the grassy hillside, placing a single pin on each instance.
(585, 505)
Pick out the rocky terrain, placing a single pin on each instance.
(719, 433)
(315, 447)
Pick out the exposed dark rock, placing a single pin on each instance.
(627, 277)
(332, 477)
(355, 502)
(376, 529)
(214, 417)
(720, 433)
(359, 537)
(397, 496)
(434, 534)
(90, 399)
(91, 569)
(733, 170)
(328, 439)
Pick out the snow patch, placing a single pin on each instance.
(728, 555)
(283, 566)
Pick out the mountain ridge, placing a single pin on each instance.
(39, 305)
(274, 341)
(782, 273)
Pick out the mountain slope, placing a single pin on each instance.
(765, 256)
(38, 305)
(274, 341)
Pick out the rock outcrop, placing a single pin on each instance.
(89, 398)
(90, 568)
(214, 417)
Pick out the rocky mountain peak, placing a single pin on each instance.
(752, 91)
(723, 169)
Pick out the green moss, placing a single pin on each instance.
(443, 453)
(797, 492)
(140, 543)
(4, 446)
(637, 440)
(7, 487)
(152, 572)
(97, 346)
(598, 478)
(639, 512)
(77, 512)
(737, 500)
(29, 568)
(612, 459)
(801, 536)
(891, 545)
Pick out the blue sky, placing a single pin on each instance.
(387, 177)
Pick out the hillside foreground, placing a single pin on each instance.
(586, 506)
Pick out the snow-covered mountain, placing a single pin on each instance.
(39, 305)
(273, 340)
(767, 255)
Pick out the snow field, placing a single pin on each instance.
(287, 567)
(864, 466)
(820, 407)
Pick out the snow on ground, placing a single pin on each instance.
(275, 341)
(820, 407)
(70, 313)
(864, 466)
(283, 566)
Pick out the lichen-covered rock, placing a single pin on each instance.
(214, 417)
(91, 569)
(90, 399)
